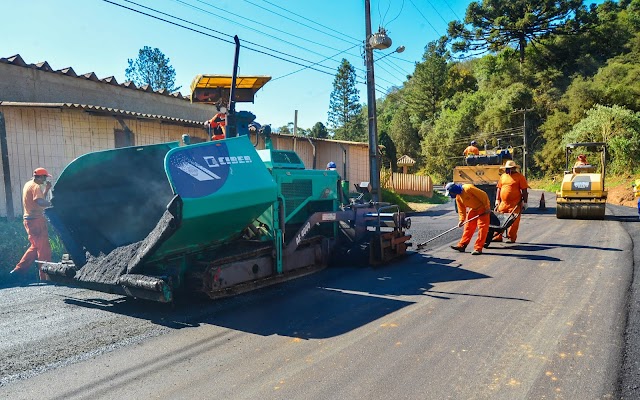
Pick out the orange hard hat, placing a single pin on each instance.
(40, 172)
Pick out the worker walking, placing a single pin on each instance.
(472, 149)
(511, 196)
(469, 196)
(34, 202)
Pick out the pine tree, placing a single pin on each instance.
(152, 68)
(344, 106)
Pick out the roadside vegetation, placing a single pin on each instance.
(567, 70)
(13, 244)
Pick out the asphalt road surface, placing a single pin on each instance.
(554, 316)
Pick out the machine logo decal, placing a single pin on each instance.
(303, 233)
(199, 171)
(196, 170)
(581, 183)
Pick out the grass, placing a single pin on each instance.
(13, 244)
(403, 201)
(547, 184)
(436, 198)
(550, 184)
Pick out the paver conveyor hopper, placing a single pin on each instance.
(217, 217)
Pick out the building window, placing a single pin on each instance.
(123, 138)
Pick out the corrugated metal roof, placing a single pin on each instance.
(68, 71)
(102, 110)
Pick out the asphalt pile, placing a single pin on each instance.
(126, 259)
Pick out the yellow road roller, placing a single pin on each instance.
(582, 194)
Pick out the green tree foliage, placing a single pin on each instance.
(389, 152)
(496, 24)
(573, 66)
(285, 129)
(152, 68)
(404, 135)
(498, 113)
(388, 107)
(445, 140)
(319, 131)
(550, 158)
(426, 89)
(344, 105)
(618, 127)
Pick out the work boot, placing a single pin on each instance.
(476, 253)
(497, 239)
(461, 249)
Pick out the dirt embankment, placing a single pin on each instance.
(622, 195)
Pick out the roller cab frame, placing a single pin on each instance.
(582, 193)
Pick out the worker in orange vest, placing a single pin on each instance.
(34, 202)
(469, 196)
(511, 196)
(472, 149)
(581, 161)
(217, 126)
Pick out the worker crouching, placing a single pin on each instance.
(477, 201)
(511, 196)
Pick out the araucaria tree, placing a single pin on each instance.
(496, 24)
(344, 106)
(152, 68)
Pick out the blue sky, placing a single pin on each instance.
(96, 36)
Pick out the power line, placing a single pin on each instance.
(273, 37)
(399, 12)
(436, 10)
(454, 13)
(297, 22)
(221, 39)
(253, 29)
(304, 18)
(302, 69)
(395, 67)
(305, 66)
(423, 17)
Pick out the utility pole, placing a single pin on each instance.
(295, 130)
(374, 172)
(524, 137)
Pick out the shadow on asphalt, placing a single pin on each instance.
(322, 305)
(545, 246)
(622, 218)
(431, 213)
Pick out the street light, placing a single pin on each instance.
(379, 41)
(398, 50)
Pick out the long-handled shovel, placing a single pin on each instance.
(421, 245)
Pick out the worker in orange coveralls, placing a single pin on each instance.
(34, 202)
(469, 196)
(472, 149)
(217, 126)
(581, 161)
(511, 196)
